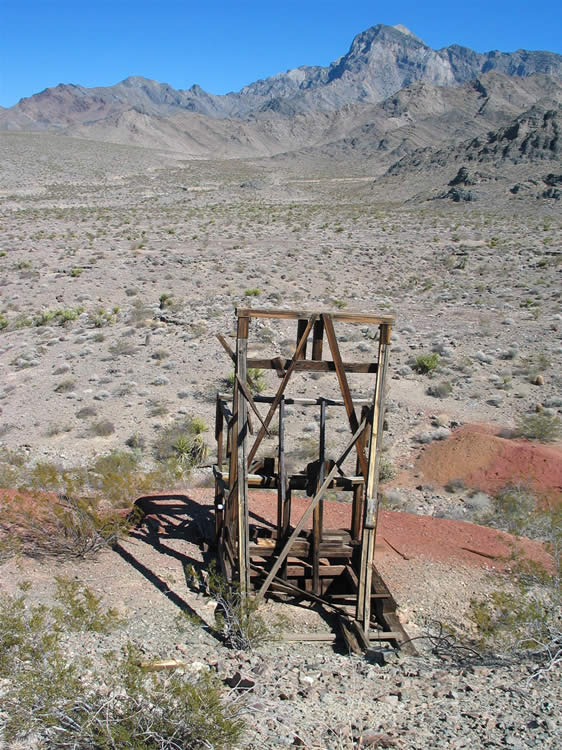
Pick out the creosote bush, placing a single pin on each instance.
(542, 427)
(426, 363)
(238, 619)
(525, 616)
(37, 524)
(50, 702)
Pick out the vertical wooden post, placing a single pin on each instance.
(363, 613)
(358, 491)
(317, 517)
(242, 456)
(301, 328)
(219, 493)
(317, 339)
(283, 489)
(281, 480)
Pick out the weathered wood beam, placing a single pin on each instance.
(344, 317)
(310, 365)
(346, 393)
(307, 513)
(281, 389)
(371, 487)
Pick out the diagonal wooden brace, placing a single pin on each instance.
(281, 389)
(344, 387)
(308, 512)
(248, 396)
(226, 347)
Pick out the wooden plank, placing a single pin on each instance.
(250, 400)
(281, 389)
(301, 328)
(371, 487)
(306, 515)
(300, 401)
(308, 365)
(219, 485)
(344, 387)
(317, 340)
(301, 569)
(317, 517)
(242, 458)
(358, 492)
(312, 637)
(344, 317)
(386, 635)
(226, 347)
(282, 484)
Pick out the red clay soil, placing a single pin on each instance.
(488, 462)
(413, 536)
(406, 535)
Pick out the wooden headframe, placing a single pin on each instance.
(265, 564)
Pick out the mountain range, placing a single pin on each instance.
(387, 97)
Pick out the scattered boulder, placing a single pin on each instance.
(462, 178)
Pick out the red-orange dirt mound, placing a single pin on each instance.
(488, 462)
(412, 536)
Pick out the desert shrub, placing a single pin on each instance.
(136, 442)
(166, 300)
(102, 428)
(181, 446)
(121, 348)
(254, 292)
(254, 377)
(386, 469)
(40, 524)
(65, 386)
(116, 477)
(61, 317)
(440, 390)
(68, 315)
(426, 363)
(86, 411)
(542, 427)
(102, 317)
(79, 609)
(54, 703)
(526, 614)
(57, 429)
(238, 620)
(140, 312)
(158, 409)
(3, 321)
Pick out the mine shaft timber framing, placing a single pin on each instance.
(332, 567)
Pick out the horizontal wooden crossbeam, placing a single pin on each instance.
(310, 365)
(344, 317)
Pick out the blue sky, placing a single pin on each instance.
(224, 45)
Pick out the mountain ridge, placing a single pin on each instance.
(380, 61)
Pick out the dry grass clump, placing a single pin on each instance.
(50, 701)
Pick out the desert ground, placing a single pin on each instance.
(118, 267)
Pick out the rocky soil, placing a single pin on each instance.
(117, 268)
(312, 695)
